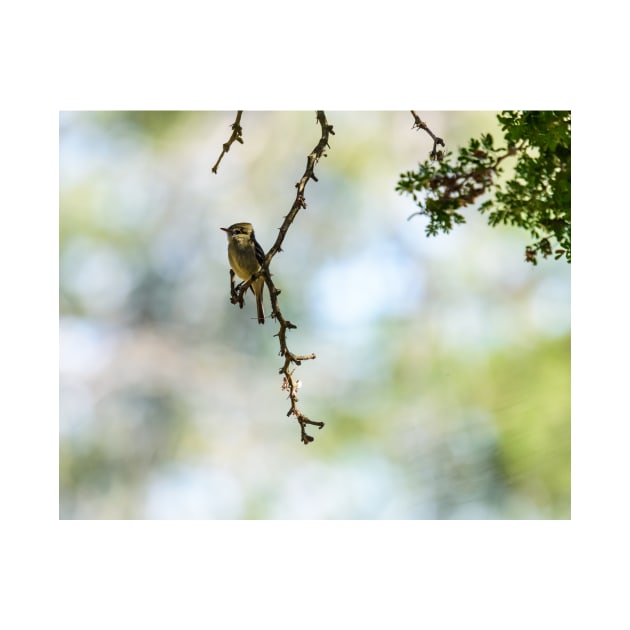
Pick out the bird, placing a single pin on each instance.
(246, 257)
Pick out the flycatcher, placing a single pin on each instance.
(246, 257)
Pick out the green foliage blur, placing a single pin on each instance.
(536, 198)
(443, 364)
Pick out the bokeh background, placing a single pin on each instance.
(443, 363)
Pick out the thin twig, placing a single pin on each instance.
(300, 202)
(289, 382)
(419, 124)
(237, 134)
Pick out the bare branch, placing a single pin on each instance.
(300, 201)
(237, 134)
(419, 124)
(289, 383)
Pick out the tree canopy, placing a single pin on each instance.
(537, 196)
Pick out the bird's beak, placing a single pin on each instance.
(224, 229)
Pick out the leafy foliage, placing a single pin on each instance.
(536, 198)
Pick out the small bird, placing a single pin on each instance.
(246, 257)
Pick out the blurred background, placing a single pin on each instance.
(443, 363)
